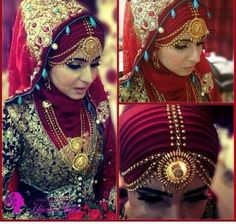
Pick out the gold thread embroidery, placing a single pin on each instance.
(39, 28)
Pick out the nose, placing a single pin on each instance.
(174, 211)
(86, 74)
(194, 55)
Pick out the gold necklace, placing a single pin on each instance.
(74, 150)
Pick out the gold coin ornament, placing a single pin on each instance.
(80, 162)
(91, 46)
(76, 144)
(198, 28)
(176, 170)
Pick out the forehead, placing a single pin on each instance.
(187, 36)
(194, 184)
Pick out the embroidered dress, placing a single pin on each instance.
(58, 153)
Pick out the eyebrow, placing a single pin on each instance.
(198, 190)
(145, 190)
(83, 60)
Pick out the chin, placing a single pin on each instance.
(76, 97)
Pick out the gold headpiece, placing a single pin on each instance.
(196, 28)
(146, 14)
(177, 168)
(42, 17)
(89, 47)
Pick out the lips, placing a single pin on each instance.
(81, 90)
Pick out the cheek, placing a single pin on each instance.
(171, 58)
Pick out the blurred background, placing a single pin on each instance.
(106, 12)
(219, 44)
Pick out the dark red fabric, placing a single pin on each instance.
(21, 63)
(171, 85)
(145, 131)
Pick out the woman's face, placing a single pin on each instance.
(181, 58)
(151, 202)
(73, 79)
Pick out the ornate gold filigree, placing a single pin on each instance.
(207, 84)
(176, 170)
(89, 48)
(146, 14)
(195, 28)
(42, 17)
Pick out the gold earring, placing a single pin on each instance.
(155, 60)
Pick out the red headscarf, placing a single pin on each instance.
(135, 46)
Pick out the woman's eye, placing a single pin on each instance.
(152, 200)
(200, 43)
(95, 64)
(74, 66)
(181, 47)
(196, 198)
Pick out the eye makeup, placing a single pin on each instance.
(80, 62)
(152, 196)
(185, 44)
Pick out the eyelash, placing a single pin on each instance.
(181, 47)
(151, 200)
(196, 198)
(77, 66)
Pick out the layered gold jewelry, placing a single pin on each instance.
(176, 168)
(195, 28)
(73, 150)
(89, 48)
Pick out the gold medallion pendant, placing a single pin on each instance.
(76, 144)
(80, 162)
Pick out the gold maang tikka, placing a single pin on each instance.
(196, 28)
(89, 47)
(175, 169)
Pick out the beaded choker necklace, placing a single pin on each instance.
(75, 150)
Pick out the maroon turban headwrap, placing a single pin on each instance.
(145, 131)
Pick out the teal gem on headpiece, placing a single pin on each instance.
(37, 87)
(28, 7)
(136, 68)
(56, 10)
(146, 56)
(67, 30)
(45, 73)
(19, 101)
(92, 21)
(127, 84)
(195, 4)
(173, 14)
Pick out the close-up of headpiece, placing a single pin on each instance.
(170, 142)
(163, 22)
(44, 41)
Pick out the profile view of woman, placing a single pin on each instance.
(163, 55)
(58, 137)
(168, 155)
